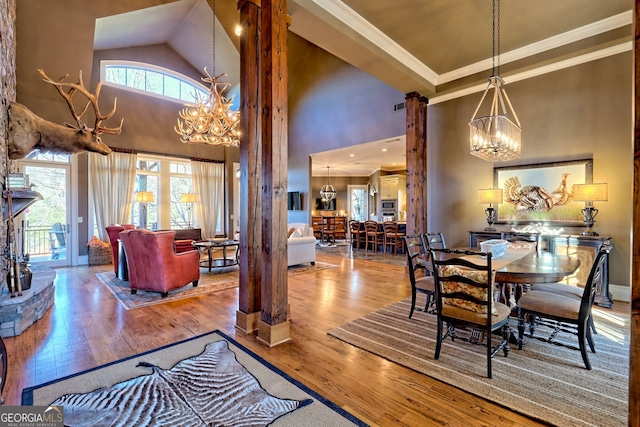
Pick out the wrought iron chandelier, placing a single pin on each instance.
(210, 120)
(495, 137)
(327, 191)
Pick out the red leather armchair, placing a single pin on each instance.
(153, 264)
(114, 234)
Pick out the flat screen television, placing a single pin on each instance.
(294, 201)
(325, 206)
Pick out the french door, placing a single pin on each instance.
(45, 230)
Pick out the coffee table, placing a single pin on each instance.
(210, 245)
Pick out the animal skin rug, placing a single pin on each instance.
(211, 389)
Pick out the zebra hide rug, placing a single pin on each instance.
(211, 389)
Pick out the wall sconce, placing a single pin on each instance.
(143, 197)
(189, 199)
(490, 196)
(590, 193)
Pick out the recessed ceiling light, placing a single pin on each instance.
(384, 149)
(352, 155)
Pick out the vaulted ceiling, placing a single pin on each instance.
(439, 48)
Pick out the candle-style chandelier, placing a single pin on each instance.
(495, 137)
(210, 120)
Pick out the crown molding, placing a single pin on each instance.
(560, 65)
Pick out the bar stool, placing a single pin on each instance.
(357, 235)
(392, 237)
(373, 235)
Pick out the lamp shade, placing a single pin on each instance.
(188, 198)
(490, 195)
(590, 192)
(144, 197)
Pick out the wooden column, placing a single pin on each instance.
(634, 356)
(274, 325)
(249, 304)
(416, 163)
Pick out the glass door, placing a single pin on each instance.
(358, 202)
(46, 234)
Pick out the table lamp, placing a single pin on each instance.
(590, 193)
(143, 197)
(189, 199)
(490, 196)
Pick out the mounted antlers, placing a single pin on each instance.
(28, 132)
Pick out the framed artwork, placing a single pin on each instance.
(542, 193)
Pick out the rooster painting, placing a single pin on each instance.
(530, 198)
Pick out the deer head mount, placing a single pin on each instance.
(28, 132)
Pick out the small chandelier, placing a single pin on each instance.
(210, 120)
(495, 137)
(327, 191)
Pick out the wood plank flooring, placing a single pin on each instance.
(87, 327)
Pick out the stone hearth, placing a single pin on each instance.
(17, 314)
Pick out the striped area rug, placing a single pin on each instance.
(544, 381)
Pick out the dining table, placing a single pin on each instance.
(521, 267)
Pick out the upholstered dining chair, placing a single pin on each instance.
(422, 283)
(373, 236)
(392, 236)
(464, 301)
(562, 312)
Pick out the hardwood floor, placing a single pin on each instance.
(87, 327)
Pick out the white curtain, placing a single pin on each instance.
(112, 181)
(208, 184)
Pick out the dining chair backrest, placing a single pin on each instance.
(595, 277)
(434, 239)
(452, 269)
(371, 226)
(390, 227)
(415, 251)
(522, 240)
(354, 226)
(329, 223)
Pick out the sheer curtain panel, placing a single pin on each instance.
(112, 181)
(208, 184)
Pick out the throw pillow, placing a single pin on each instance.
(474, 291)
(291, 231)
(297, 233)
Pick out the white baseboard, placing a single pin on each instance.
(620, 293)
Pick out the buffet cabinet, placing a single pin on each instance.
(584, 248)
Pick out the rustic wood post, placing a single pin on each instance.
(274, 325)
(249, 307)
(416, 144)
(634, 356)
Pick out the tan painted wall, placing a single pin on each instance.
(577, 113)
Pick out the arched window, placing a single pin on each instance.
(151, 80)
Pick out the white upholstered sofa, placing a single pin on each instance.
(301, 244)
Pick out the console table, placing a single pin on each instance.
(584, 248)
